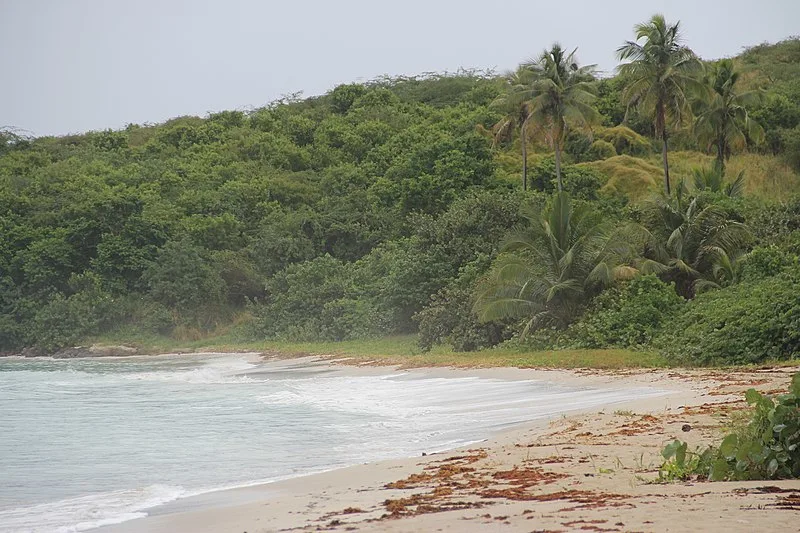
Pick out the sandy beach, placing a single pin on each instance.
(585, 471)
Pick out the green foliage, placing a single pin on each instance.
(742, 324)
(580, 181)
(713, 180)
(767, 261)
(315, 300)
(184, 278)
(349, 214)
(65, 320)
(601, 149)
(626, 141)
(549, 270)
(627, 316)
(723, 122)
(450, 317)
(343, 97)
(690, 238)
(767, 448)
(660, 74)
(561, 94)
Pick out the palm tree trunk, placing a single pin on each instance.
(524, 141)
(720, 162)
(661, 128)
(558, 168)
(664, 150)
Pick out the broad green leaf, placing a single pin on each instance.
(753, 396)
(728, 447)
(680, 454)
(669, 450)
(720, 470)
(772, 467)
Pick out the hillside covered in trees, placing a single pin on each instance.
(470, 207)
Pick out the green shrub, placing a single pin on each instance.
(305, 300)
(766, 261)
(450, 319)
(580, 181)
(626, 141)
(627, 316)
(744, 323)
(772, 223)
(767, 448)
(65, 320)
(183, 278)
(350, 318)
(600, 149)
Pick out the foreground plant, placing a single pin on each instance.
(767, 448)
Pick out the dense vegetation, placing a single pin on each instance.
(472, 208)
(767, 447)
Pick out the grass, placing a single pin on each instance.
(765, 176)
(400, 350)
(632, 176)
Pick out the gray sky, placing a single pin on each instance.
(76, 65)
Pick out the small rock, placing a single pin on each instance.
(686, 428)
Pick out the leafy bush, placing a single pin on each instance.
(625, 141)
(296, 296)
(766, 261)
(773, 223)
(629, 315)
(65, 320)
(183, 278)
(582, 182)
(744, 323)
(601, 149)
(450, 319)
(767, 448)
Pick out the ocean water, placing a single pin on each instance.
(91, 442)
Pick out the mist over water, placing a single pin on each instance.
(90, 442)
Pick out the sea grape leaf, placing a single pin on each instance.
(720, 469)
(772, 467)
(729, 446)
(680, 454)
(669, 450)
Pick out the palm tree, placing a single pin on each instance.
(561, 97)
(659, 74)
(514, 103)
(726, 269)
(724, 122)
(547, 272)
(688, 238)
(712, 179)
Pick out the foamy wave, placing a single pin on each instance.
(88, 512)
(226, 371)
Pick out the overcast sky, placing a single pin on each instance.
(76, 65)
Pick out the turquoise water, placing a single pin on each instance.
(85, 443)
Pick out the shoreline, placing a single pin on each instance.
(358, 497)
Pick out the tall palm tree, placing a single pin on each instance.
(723, 122)
(561, 97)
(515, 105)
(659, 73)
(547, 271)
